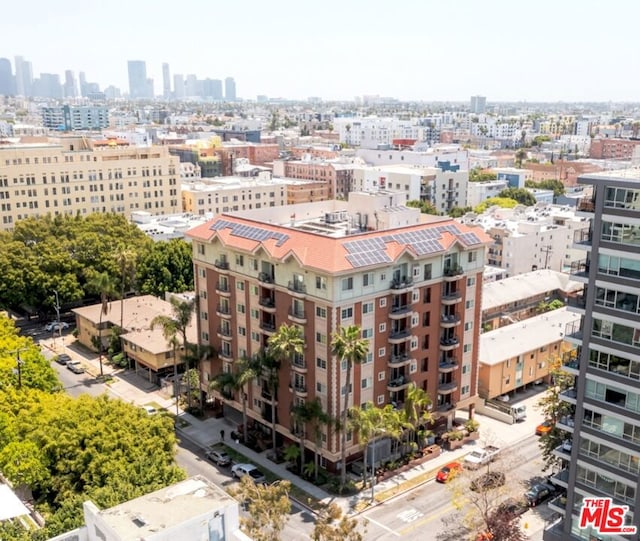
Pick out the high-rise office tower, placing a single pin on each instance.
(24, 77)
(48, 86)
(478, 104)
(7, 83)
(178, 86)
(70, 90)
(166, 81)
(83, 83)
(139, 85)
(191, 86)
(230, 89)
(603, 419)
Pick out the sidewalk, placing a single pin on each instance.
(135, 389)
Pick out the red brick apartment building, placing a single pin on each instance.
(413, 286)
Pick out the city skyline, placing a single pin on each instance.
(426, 51)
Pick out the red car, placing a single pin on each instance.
(448, 472)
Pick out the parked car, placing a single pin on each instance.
(544, 428)
(54, 326)
(75, 367)
(243, 470)
(448, 472)
(63, 359)
(218, 457)
(488, 481)
(538, 493)
(150, 410)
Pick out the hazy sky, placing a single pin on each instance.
(507, 50)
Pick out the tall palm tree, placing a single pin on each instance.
(415, 410)
(103, 284)
(283, 346)
(301, 414)
(182, 310)
(227, 383)
(267, 366)
(318, 418)
(347, 345)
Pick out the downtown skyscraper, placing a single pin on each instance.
(139, 85)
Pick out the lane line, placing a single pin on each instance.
(425, 520)
(383, 526)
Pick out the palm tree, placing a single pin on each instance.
(416, 406)
(284, 345)
(347, 345)
(228, 383)
(104, 285)
(317, 417)
(267, 366)
(178, 325)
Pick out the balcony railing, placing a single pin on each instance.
(577, 301)
(573, 330)
(267, 302)
(451, 341)
(222, 264)
(453, 270)
(586, 204)
(449, 318)
(580, 268)
(223, 309)
(224, 331)
(297, 314)
(582, 236)
(269, 327)
(265, 277)
(222, 286)
(396, 334)
(402, 283)
(398, 381)
(297, 287)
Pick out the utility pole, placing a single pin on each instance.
(547, 250)
(18, 369)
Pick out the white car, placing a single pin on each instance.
(54, 326)
(150, 410)
(243, 470)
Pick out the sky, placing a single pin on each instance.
(430, 50)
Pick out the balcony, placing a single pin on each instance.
(297, 289)
(268, 327)
(299, 365)
(448, 321)
(399, 336)
(445, 407)
(224, 332)
(561, 478)
(448, 344)
(447, 366)
(577, 303)
(570, 396)
(586, 204)
(573, 332)
(566, 423)
(400, 311)
(223, 311)
(225, 355)
(298, 316)
(398, 361)
(582, 237)
(268, 304)
(452, 273)
(448, 387)
(580, 269)
(563, 450)
(398, 384)
(401, 285)
(451, 297)
(559, 504)
(300, 389)
(222, 265)
(222, 288)
(572, 364)
(266, 396)
(266, 280)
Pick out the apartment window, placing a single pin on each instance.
(240, 260)
(321, 338)
(321, 388)
(254, 313)
(464, 389)
(416, 271)
(202, 272)
(254, 290)
(347, 284)
(367, 279)
(426, 295)
(321, 312)
(470, 304)
(382, 302)
(467, 348)
(427, 272)
(241, 308)
(240, 286)
(468, 326)
(381, 375)
(255, 336)
(382, 352)
(383, 277)
(472, 257)
(347, 313)
(321, 282)
(367, 333)
(471, 281)
(369, 358)
(382, 327)
(205, 336)
(465, 368)
(426, 319)
(380, 399)
(321, 363)
(366, 383)
(204, 315)
(367, 307)
(253, 264)
(201, 249)
(425, 342)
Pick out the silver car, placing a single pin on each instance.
(248, 470)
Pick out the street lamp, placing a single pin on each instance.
(373, 461)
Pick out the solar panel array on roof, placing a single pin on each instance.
(364, 252)
(250, 232)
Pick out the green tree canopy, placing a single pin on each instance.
(521, 195)
(503, 202)
(425, 206)
(167, 266)
(478, 174)
(550, 184)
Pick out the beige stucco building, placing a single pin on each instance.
(76, 176)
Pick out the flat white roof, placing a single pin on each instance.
(524, 336)
(523, 286)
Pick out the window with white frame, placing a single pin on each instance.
(470, 303)
(240, 286)
(366, 383)
(367, 279)
(321, 388)
(321, 312)
(382, 302)
(382, 327)
(472, 257)
(321, 363)
(369, 358)
(240, 260)
(367, 308)
(347, 284)
(380, 399)
(471, 281)
(347, 313)
(381, 375)
(367, 333)
(240, 308)
(467, 348)
(464, 389)
(321, 338)
(468, 325)
(321, 282)
(382, 352)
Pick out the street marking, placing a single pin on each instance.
(431, 517)
(410, 515)
(383, 526)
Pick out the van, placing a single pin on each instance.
(519, 412)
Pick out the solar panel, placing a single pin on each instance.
(250, 232)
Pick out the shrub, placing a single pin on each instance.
(471, 425)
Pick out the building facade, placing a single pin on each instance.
(73, 175)
(604, 423)
(72, 118)
(411, 283)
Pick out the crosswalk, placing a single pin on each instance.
(410, 515)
